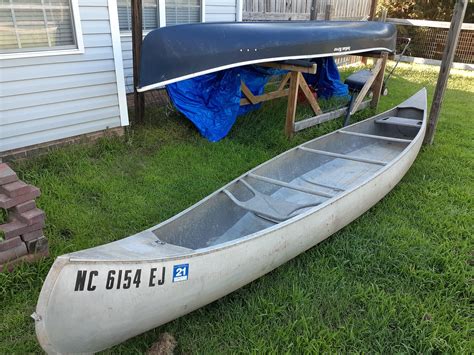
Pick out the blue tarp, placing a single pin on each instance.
(212, 101)
(327, 79)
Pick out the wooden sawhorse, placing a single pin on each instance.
(296, 81)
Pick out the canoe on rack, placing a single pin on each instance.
(171, 54)
(96, 298)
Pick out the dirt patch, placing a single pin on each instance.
(164, 346)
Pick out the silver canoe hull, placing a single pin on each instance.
(94, 299)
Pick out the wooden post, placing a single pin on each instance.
(292, 101)
(373, 11)
(378, 83)
(313, 16)
(368, 84)
(137, 38)
(446, 62)
(328, 13)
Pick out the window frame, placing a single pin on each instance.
(52, 51)
(161, 9)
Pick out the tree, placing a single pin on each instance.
(437, 10)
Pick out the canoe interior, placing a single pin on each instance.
(219, 219)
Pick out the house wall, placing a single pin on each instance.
(221, 10)
(215, 10)
(52, 97)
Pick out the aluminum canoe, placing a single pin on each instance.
(99, 297)
(171, 54)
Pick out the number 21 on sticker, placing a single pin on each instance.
(180, 272)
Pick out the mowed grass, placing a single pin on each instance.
(398, 279)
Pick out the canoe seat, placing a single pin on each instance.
(400, 121)
(267, 206)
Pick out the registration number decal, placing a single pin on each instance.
(119, 279)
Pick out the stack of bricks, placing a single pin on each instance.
(21, 237)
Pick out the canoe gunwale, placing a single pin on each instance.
(216, 248)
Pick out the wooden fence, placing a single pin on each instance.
(270, 10)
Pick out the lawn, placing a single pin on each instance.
(398, 279)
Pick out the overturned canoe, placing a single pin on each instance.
(175, 53)
(99, 297)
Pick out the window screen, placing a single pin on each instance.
(179, 12)
(150, 14)
(35, 25)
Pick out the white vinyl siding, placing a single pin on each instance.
(36, 25)
(54, 97)
(221, 10)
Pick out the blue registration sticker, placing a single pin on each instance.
(180, 272)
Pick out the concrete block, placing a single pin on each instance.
(37, 245)
(15, 189)
(23, 207)
(7, 175)
(9, 202)
(11, 254)
(10, 243)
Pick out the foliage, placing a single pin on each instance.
(3, 215)
(396, 280)
(438, 10)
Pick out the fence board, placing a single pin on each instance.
(268, 10)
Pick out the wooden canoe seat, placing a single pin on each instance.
(400, 121)
(267, 206)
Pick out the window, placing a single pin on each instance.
(36, 25)
(150, 14)
(179, 12)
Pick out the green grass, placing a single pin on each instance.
(398, 279)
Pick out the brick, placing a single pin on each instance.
(15, 228)
(30, 217)
(25, 206)
(37, 245)
(7, 175)
(29, 258)
(8, 202)
(32, 235)
(12, 229)
(10, 243)
(11, 254)
(15, 189)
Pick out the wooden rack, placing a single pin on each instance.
(296, 81)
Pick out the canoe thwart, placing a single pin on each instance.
(400, 121)
(268, 206)
(289, 186)
(383, 138)
(344, 156)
